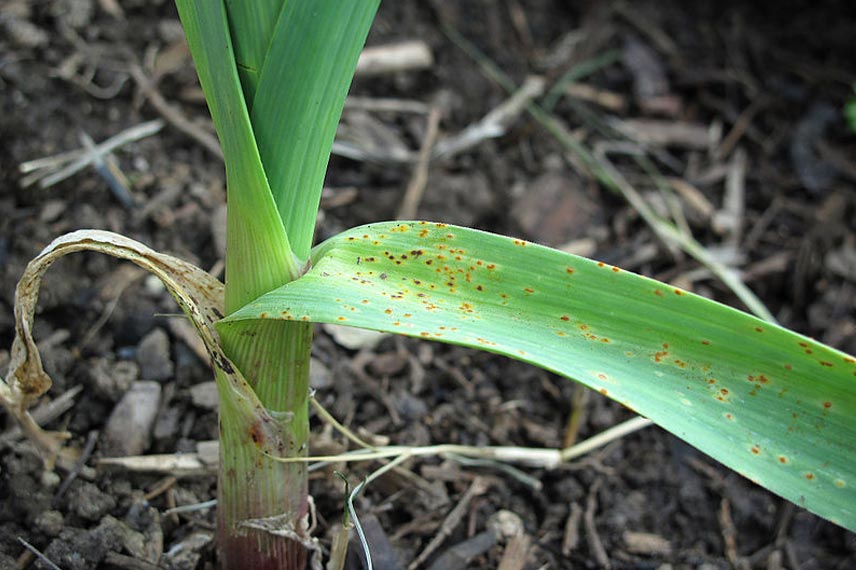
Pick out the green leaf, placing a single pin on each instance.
(301, 91)
(775, 406)
(260, 256)
(252, 25)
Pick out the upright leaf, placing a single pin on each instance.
(259, 255)
(301, 91)
(252, 25)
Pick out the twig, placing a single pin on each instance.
(663, 42)
(579, 402)
(191, 508)
(339, 547)
(385, 105)
(495, 123)
(729, 536)
(571, 536)
(109, 171)
(416, 186)
(180, 465)
(601, 97)
(592, 537)
(743, 122)
(670, 234)
(45, 560)
(734, 201)
(171, 114)
(609, 176)
(161, 487)
(451, 522)
(405, 56)
(577, 72)
(77, 160)
(666, 191)
(88, 448)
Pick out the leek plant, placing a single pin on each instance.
(775, 406)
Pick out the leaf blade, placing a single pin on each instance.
(260, 256)
(298, 101)
(771, 404)
(252, 25)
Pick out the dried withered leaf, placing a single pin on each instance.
(198, 294)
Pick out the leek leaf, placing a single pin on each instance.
(775, 406)
(301, 91)
(260, 256)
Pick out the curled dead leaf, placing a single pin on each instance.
(199, 295)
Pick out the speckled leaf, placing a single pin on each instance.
(777, 407)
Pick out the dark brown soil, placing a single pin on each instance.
(762, 88)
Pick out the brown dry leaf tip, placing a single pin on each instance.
(197, 293)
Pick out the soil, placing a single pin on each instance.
(747, 97)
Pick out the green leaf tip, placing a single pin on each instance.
(775, 406)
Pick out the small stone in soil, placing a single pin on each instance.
(319, 375)
(88, 502)
(76, 549)
(146, 519)
(50, 523)
(409, 406)
(153, 356)
(128, 430)
(204, 395)
(166, 425)
(112, 380)
(186, 554)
